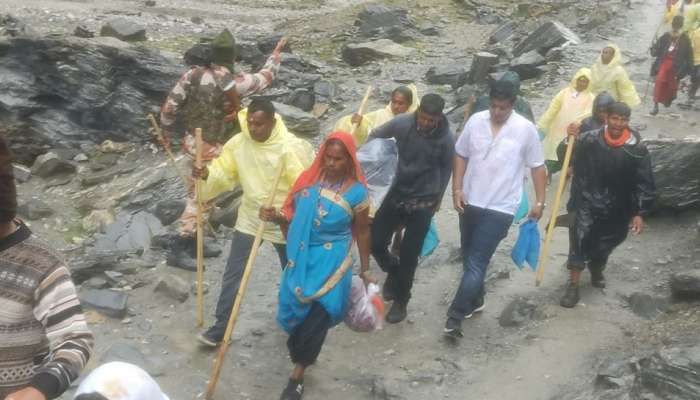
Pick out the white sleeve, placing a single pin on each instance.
(462, 145)
(534, 155)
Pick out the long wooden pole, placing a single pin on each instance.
(200, 230)
(214, 379)
(555, 212)
(361, 110)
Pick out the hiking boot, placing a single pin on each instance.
(293, 391)
(597, 278)
(388, 290)
(397, 313)
(571, 296)
(207, 339)
(453, 328)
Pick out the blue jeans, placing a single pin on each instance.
(481, 230)
(241, 245)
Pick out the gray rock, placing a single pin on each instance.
(548, 35)
(50, 164)
(168, 211)
(103, 161)
(124, 29)
(527, 65)
(35, 209)
(249, 53)
(613, 375)
(357, 54)
(326, 90)
(94, 264)
(647, 306)
(303, 99)
(99, 177)
(296, 63)
(384, 21)
(130, 232)
(298, 121)
(686, 285)
(174, 287)
(503, 32)
(13, 27)
(106, 82)
(108, 302)
(22, 174)
(197, 20)
(268, 44)
(96, 283)
(149, 3)
(453, 75)
(676, 166)
(517, 313)
(429, 30)
(128, 353)
(671, 373)
(482, 63)
(82, 31)
(293, 80)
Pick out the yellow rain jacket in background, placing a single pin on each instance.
(613, 78)
(695, 41)
(254, 166)
(567, 106)
(373, 119)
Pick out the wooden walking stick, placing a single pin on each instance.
(218, 363)
(361, 110)
(555, 211)
(200, 230)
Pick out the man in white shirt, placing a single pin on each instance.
(492, 153)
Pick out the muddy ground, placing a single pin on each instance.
(551, 357)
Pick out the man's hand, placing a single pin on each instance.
(28, 393)
(458, 201)
(200, 173)
(268, 214)
(637, 225)
(276, 53)
(536, 212)
(356, 119)
(573, 129)
(367, 278)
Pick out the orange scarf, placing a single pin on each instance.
(617, 142)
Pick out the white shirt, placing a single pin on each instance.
(495, 165)
(121, 381)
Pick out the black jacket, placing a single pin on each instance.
(425, 160)
(682, 61)
(611, 183)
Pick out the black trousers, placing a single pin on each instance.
(401, 271)
(592, 240)
(306, 341)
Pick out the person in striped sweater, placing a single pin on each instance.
(44, 339)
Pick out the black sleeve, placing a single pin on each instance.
(384, 131)
(645, 188)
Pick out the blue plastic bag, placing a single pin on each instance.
(527, 247)
(432, 240)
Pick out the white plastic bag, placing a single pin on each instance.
(366, 309)
(379, 159)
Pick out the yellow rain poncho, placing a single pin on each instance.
(691, 14)
(613, 78)
(695, 41)
(567, 106)
(373, 119)
(253, 165)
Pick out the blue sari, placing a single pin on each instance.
(319, 244)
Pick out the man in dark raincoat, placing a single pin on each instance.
(612, 190)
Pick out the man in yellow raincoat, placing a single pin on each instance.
(404, 99)
(251, 159)
(571, 105)
(608, 75)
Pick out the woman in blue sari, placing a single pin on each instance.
(326, 211)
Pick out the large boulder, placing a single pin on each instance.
(357, 54)
(51, 164)
(108, 302)
(59, 92)
(453, 75)
(676, 165)
(548, 35)
(527, 65)
(686, 285)
(124, 29)
(385, 22)
(672, 373)
(130, 232)
(298, 121)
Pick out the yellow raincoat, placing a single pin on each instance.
(695, 41)
(613, 78)
(373, 119)
(254, 165)
(691, 14)
(567, 106)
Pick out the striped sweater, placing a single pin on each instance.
(44, 339)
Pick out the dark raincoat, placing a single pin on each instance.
(521, 105)
(609, 187)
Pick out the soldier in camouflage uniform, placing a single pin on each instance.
(208, 97)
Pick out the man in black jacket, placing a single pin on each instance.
(426, 148)
(611, 191)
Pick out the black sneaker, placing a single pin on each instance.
(208, 339)
(597, 278)
(293, 391)
(480, 306)
(571, 296)
(388, 290)
(397, 313)
(453, 328)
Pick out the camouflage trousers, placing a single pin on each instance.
(188, 219)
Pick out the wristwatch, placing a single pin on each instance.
(541, 204)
